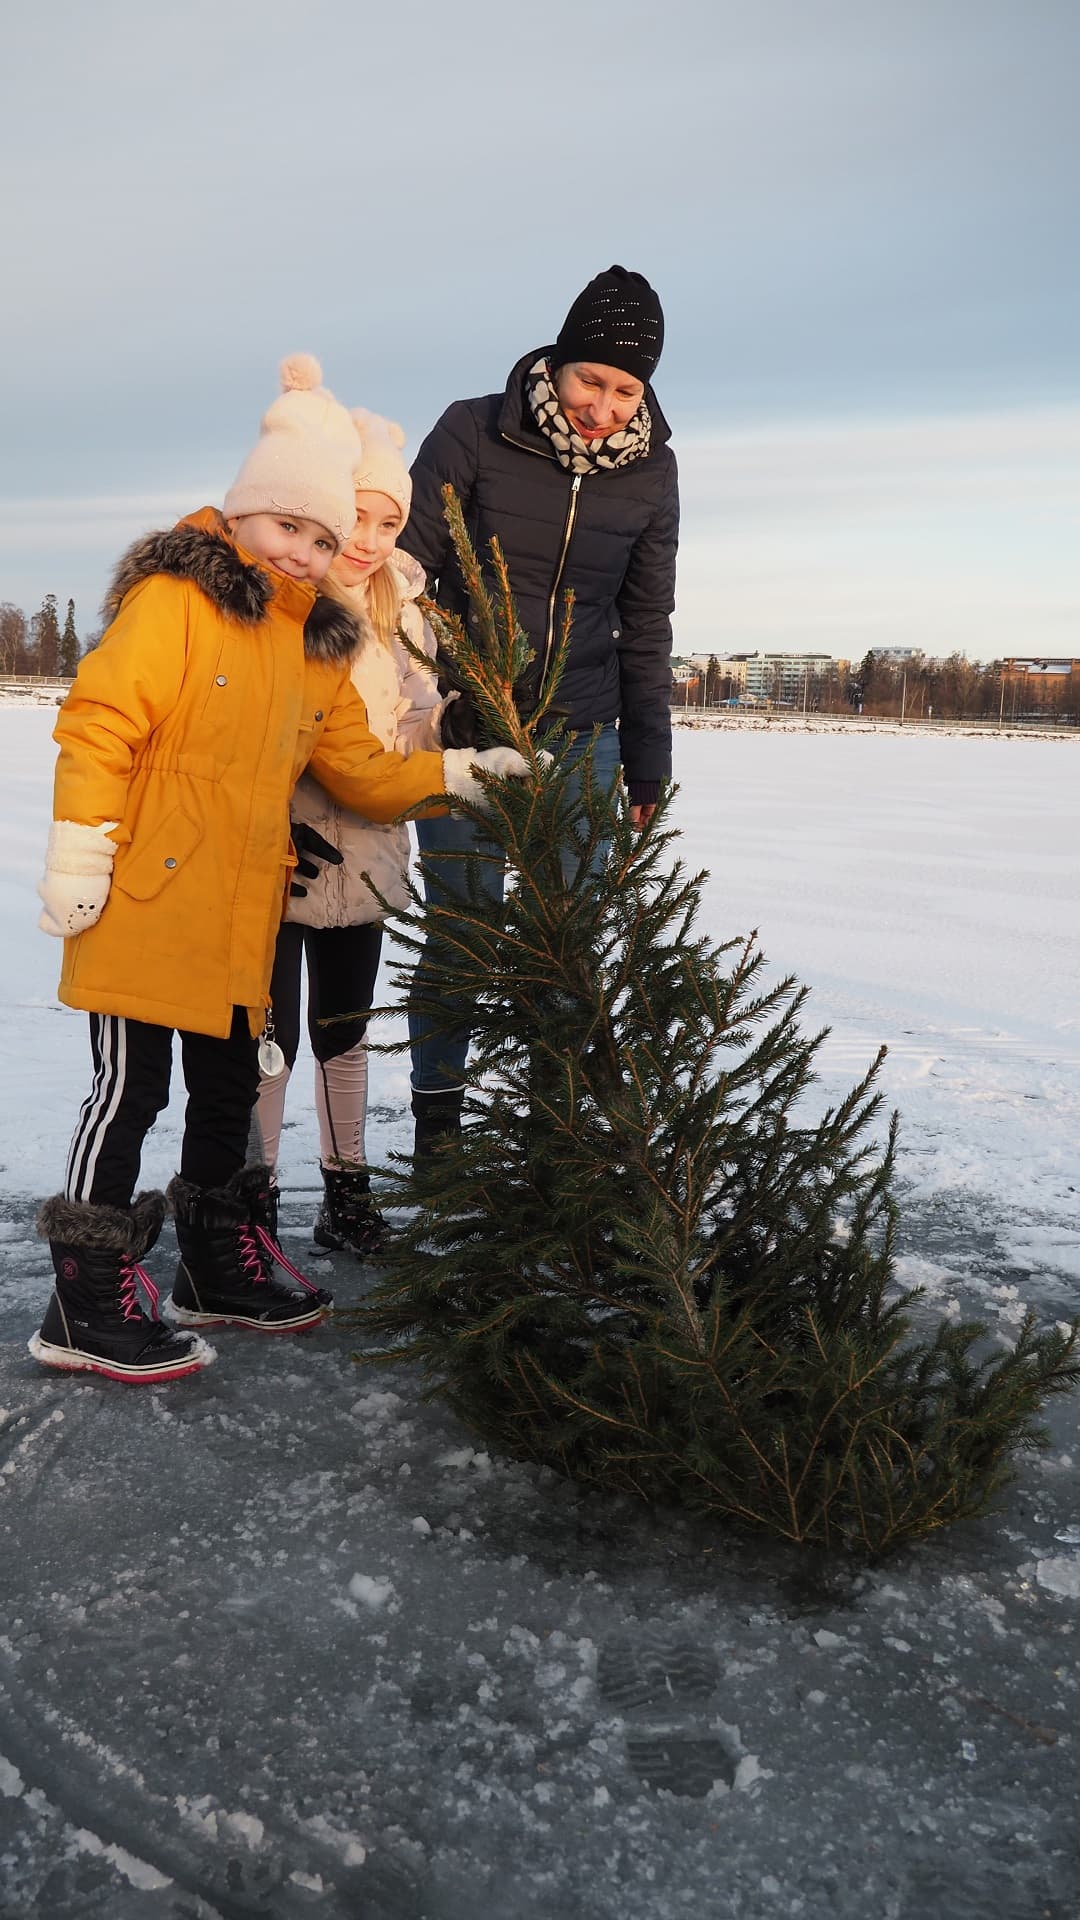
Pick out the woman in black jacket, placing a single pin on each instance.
(570, 466)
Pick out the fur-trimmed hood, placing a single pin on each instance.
(190, 728)
(201, 550)
(408, 572)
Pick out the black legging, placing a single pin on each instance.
(342, 964)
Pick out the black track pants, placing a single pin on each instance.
(132, 1068)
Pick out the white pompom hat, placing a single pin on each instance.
(304, 458)
(381, 468)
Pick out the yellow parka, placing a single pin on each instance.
(216, 684)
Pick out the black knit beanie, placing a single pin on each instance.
(617, 322)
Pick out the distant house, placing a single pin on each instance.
(1040, 669)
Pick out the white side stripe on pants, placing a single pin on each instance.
(108, 1043)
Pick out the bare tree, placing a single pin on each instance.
(14, 635)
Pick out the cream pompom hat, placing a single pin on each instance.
(381, 468)
(304, 458)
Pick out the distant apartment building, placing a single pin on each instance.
(786, 677)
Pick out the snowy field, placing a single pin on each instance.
(277, 1641)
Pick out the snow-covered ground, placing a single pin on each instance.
(278, 1641)
(927, 888)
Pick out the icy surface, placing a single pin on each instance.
(279, 1640)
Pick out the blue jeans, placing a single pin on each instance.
(438, 1057)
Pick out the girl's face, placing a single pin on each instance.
(302, 549)
(378, 523)
(597, 400)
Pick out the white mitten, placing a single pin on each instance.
(461, 764)
(437, 712)
(77, 878)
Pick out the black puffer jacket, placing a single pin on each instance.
(611, 536)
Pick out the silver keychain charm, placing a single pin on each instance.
(271, 1058)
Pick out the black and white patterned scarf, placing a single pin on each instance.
(577, 455)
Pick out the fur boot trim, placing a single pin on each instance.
(239, 1191)
(78, 1223)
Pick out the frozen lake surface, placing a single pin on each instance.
(279, 1641)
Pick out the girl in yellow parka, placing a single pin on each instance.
(221, 678)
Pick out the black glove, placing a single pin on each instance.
(457, 725)
(307, 841)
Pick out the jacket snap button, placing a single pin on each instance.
(318, 713)
(614, 633)
(223, 679)
(170, 862)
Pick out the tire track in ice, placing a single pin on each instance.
(61, 1792)
(31, 1440)
(193, 1854)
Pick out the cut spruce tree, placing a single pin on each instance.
(648, 1263)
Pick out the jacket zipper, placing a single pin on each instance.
(571, 516)
(542, 452)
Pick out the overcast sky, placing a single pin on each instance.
(860, 216)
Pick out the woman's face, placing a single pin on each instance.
(378, 523)
(597, 400)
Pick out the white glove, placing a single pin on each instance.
(77, 878)
(437, 712)
(461, 765)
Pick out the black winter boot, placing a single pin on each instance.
(437, 1117)
(227, 1258)
(95, 1322)
(348, 1216)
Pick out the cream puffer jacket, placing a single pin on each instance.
(403, 709)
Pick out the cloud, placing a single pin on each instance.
(947, 532)
(69, 546)
(950, 532)
(89, 525)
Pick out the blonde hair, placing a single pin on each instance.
(384, 599)
(379, 600)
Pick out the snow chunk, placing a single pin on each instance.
(138, 1873)
(371, 1592)
(826, 1639)
(246, 1826)
(420, 1525)
(352, 1850)
(376, 1406)
(11, 1780)
(200, 1813)
(465, 1457)
(748, 1772)
(1060, 1574)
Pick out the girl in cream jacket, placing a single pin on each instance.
(334, 917)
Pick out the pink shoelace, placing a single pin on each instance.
(252, 1238)
(132, 1276)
